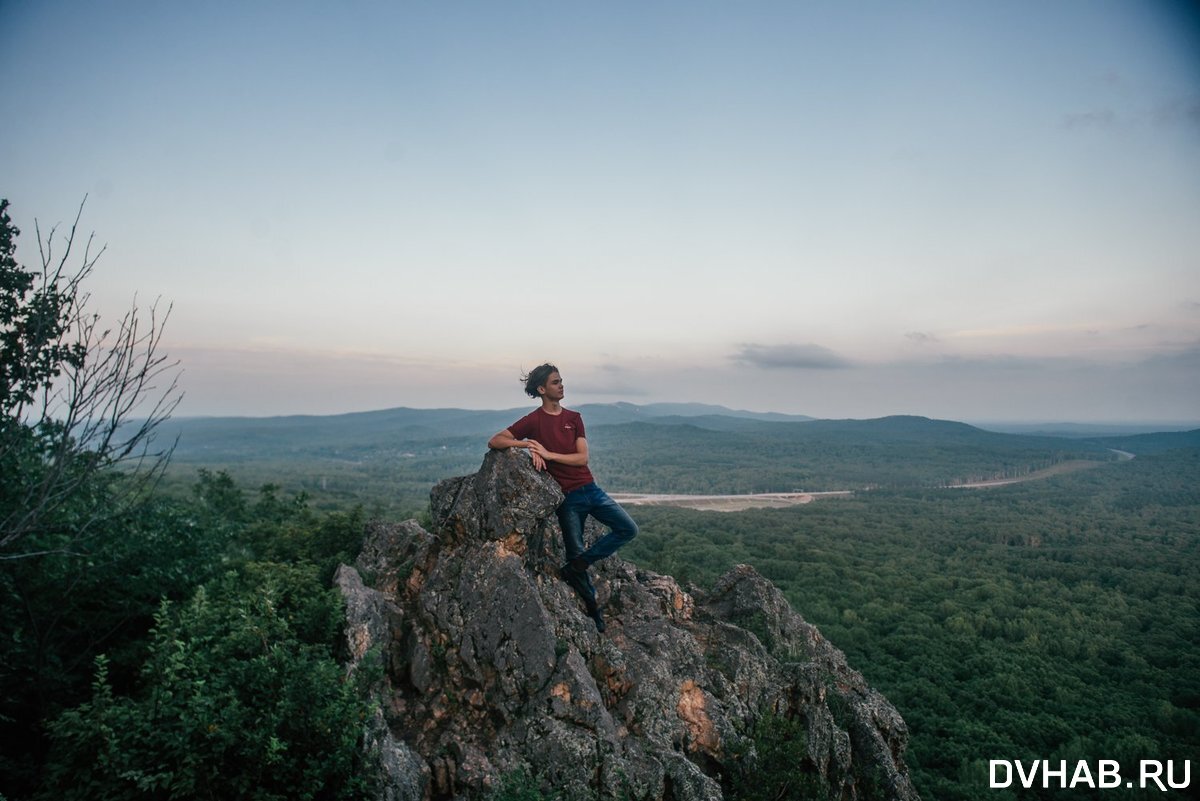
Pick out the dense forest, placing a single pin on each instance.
(188, 650)
(1057, 619)
(891, 452)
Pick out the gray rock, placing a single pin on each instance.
(491, 669)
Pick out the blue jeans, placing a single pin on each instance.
(591, 500)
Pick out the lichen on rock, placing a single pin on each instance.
(492, 669)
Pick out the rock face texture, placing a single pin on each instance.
(486, 666)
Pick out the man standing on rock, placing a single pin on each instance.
(556, 442)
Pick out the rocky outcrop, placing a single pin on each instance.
(487, 668)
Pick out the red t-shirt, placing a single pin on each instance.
(558, 433)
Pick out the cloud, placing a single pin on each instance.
(922, 337)
(797, 357)
(1187, 356)
(1008, 362)
(1179, 112)
(620, 389)
(1101, 118)
(1176, 113)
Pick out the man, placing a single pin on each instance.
(557, 443)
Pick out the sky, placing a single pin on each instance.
(980, 211)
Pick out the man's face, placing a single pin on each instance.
(553, 388)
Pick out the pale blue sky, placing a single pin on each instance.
(972, 210)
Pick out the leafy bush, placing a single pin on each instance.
(241, 698)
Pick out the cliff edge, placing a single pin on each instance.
(486, 666)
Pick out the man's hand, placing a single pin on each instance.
(538, 450)
(538, 453)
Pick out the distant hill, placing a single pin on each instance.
(697, 456)
(603, 413)
(238, 437)
(1158, 442)
(392, 457)
(1084, 430)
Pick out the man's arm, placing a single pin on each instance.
(577, 459)
(503, 440)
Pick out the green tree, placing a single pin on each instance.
(83, 561)
(79, 401)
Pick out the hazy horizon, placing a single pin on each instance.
(978, 211)
(1156, 425)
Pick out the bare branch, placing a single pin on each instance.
(85, 404)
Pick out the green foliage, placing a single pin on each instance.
(64, 608)
(240, 698)
(773, 763)
(219, 500)
(286, 530)
(33, 318)
(1049, 620)
(248, 610)
(68, 388)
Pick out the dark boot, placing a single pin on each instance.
(582, 584)
(579, 581)
(596, 616)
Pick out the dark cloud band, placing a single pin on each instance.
(795, 357)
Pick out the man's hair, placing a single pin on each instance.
(537, 377)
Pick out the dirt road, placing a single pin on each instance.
(768, 500)
(725, 503)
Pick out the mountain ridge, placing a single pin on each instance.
(410, 424)
(395, 456)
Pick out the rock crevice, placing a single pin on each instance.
(486, 665)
